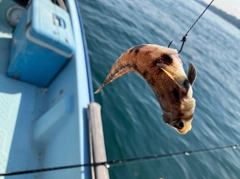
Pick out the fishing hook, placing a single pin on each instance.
(184, 39)
(170, 44)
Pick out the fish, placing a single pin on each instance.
(163, 70)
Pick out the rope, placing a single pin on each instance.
(122, 161)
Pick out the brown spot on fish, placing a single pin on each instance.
(176, 94)
(162, 96)
(164, 59)
(160, 70)
(136, 49)
(151, 81)
(157, 61)
(145, 74)
(181, 114)
(167, 59)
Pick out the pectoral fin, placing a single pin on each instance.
(177, 79)
(192, 73)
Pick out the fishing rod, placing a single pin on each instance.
(119, 162)
(184, 38)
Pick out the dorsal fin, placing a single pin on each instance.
(192, 73)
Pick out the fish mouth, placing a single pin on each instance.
(182, 130)
(186, 129)
(182, 123)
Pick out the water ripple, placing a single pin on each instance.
(131, 114)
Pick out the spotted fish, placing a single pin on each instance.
(163, 71)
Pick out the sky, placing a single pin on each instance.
(230, 6)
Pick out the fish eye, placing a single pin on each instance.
(181, 124)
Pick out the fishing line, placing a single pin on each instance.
(184, 39)
(122, 161)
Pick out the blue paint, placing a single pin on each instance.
(51, 121)
(88, 67)
(46, 127)
(42, 44)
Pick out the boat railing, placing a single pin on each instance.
(96, 140)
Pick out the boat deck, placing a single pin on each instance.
(19, 108)
(43, 127)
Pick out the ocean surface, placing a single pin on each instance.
(132, 117)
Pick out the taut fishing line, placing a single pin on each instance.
(184, 39)
(124, 161)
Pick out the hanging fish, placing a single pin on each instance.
(162, 69)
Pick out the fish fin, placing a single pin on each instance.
(192, 73)
(99, 89)
(177, 80)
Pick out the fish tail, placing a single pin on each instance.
(99, 89)
(121, 67)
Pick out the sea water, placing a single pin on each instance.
(132, 117)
